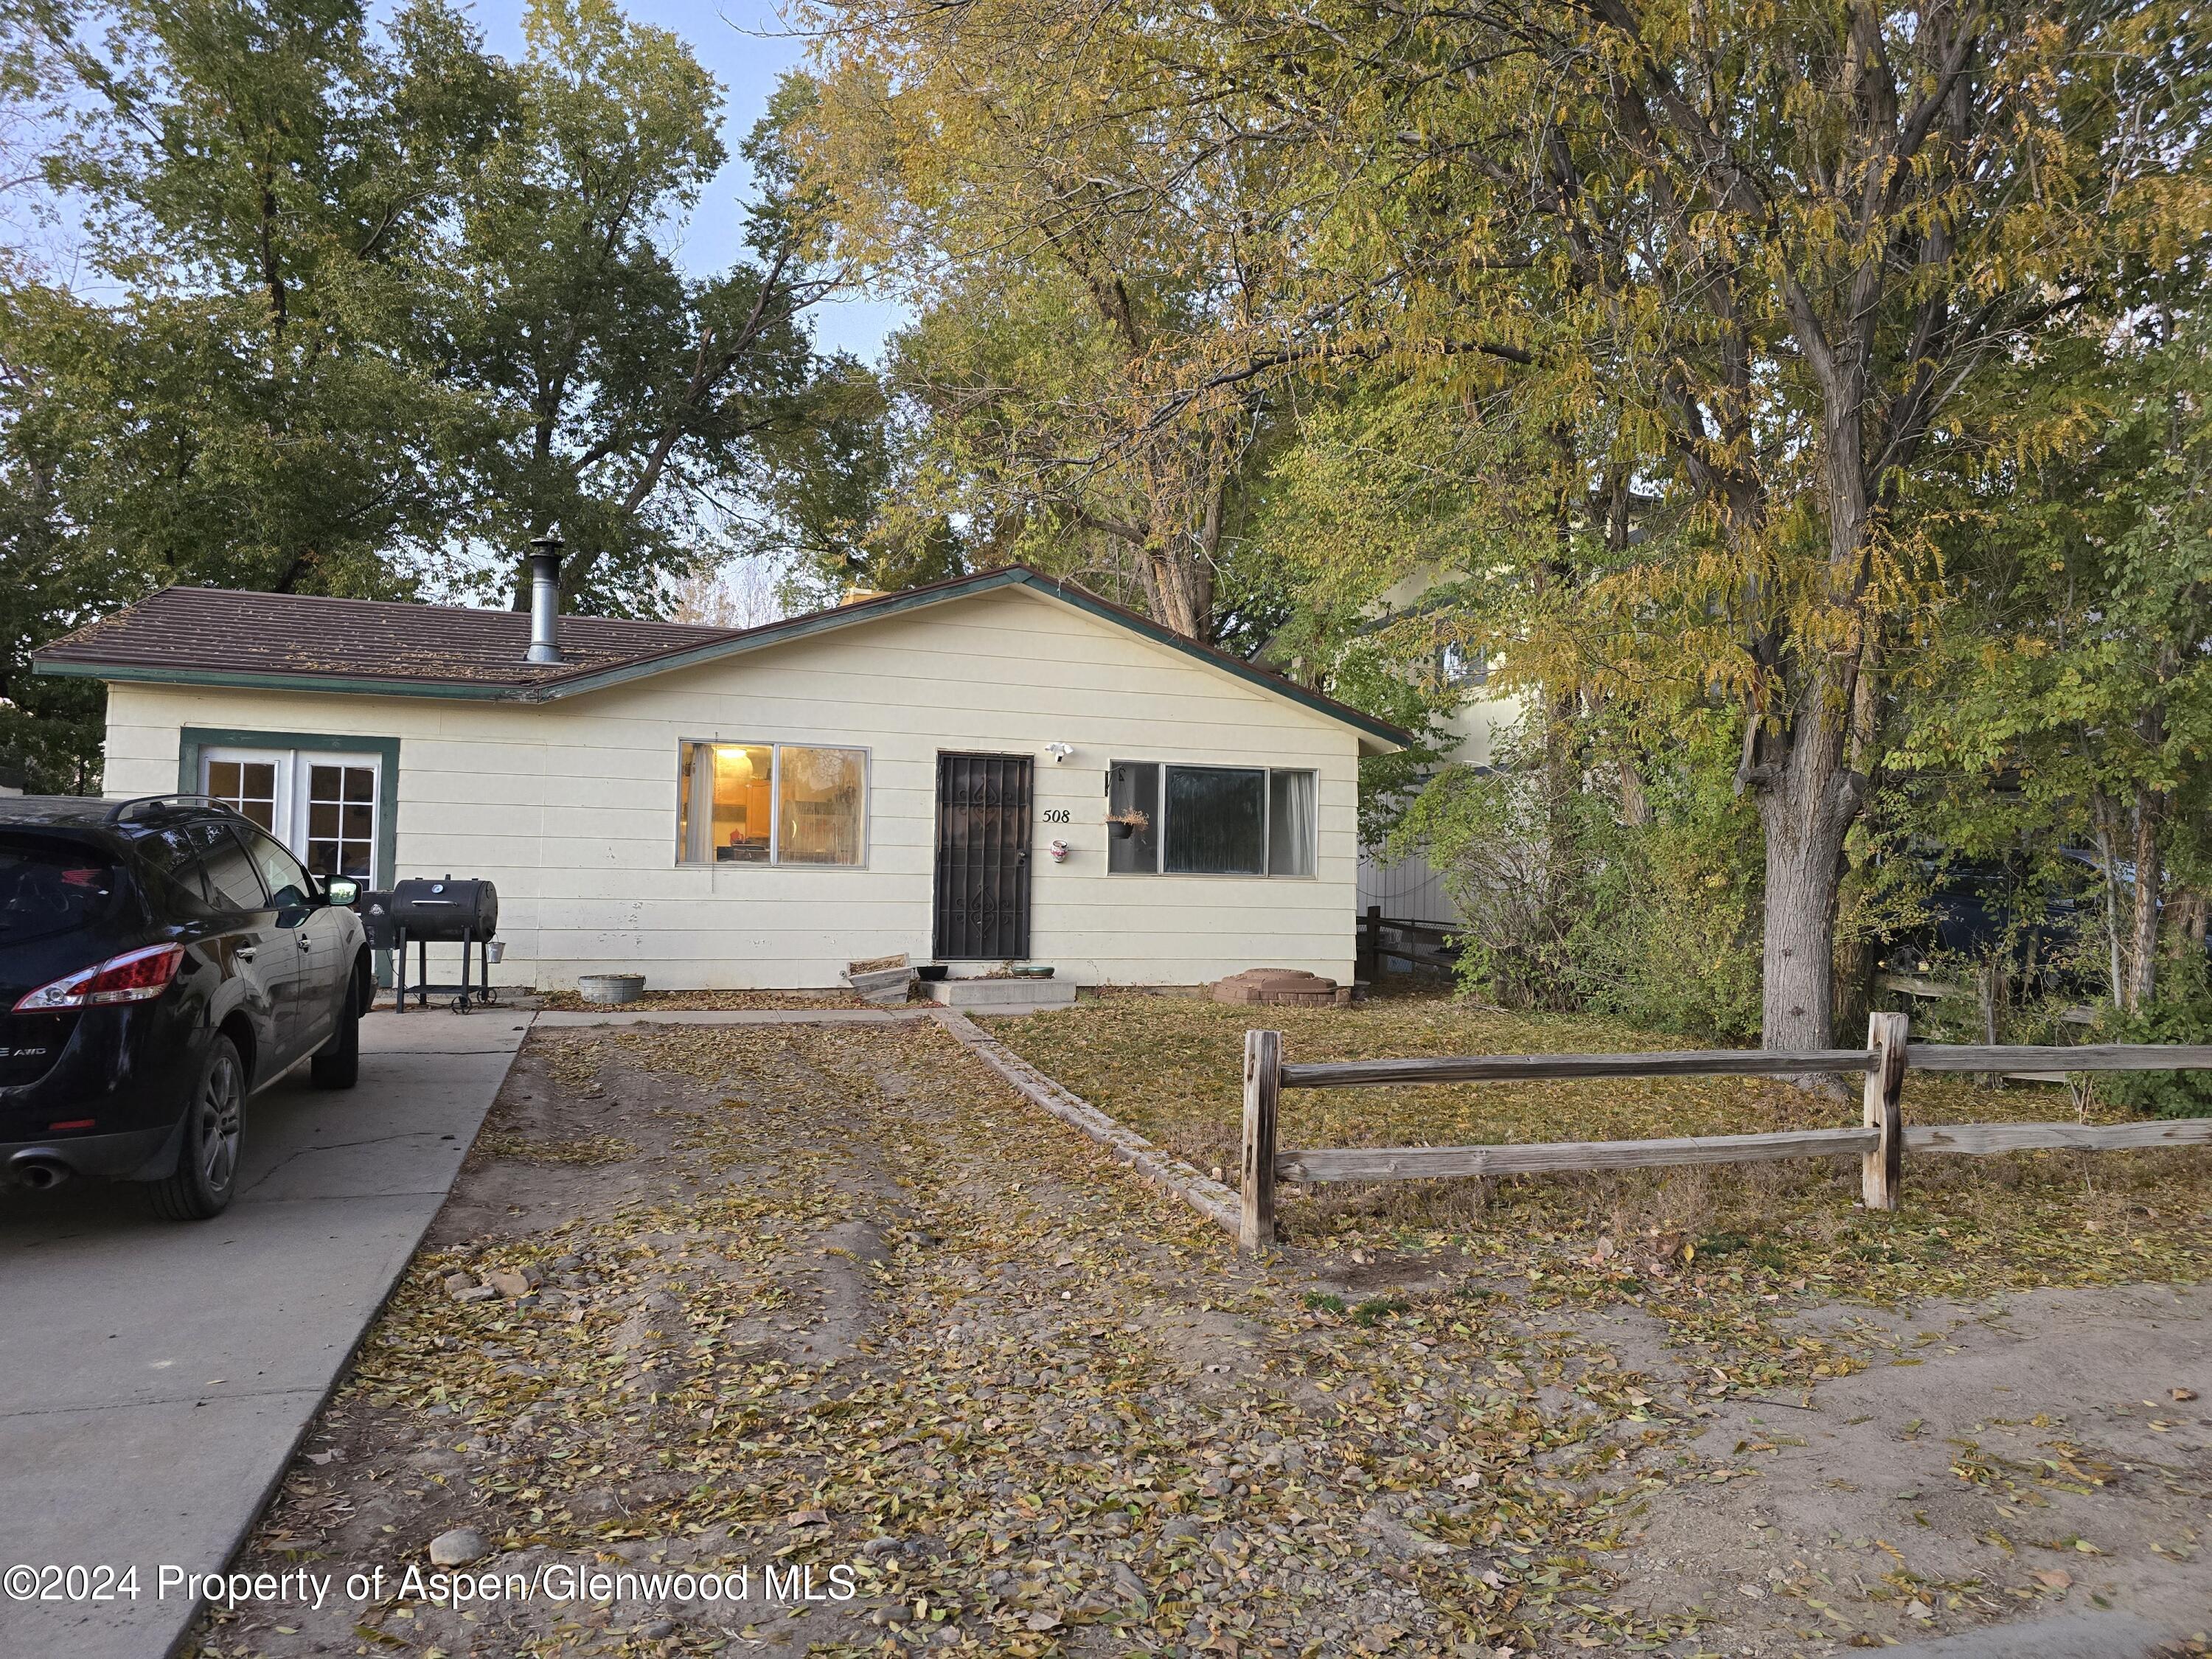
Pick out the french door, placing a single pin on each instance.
(322, 805)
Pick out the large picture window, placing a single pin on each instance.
(771, 803)
(1209, 820)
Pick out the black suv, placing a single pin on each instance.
(161, 960)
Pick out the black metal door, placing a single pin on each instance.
(982, 857)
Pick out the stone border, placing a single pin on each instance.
(1216, 1202)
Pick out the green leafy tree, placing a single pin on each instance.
(2074, 699)
(262, 185)
(1758, 266)
(371, 304)
(1036, 184)
(633, 405)
(228, 400)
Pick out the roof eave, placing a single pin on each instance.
(248, 679)
(1378, 737)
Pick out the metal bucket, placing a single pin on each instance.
(611, 988)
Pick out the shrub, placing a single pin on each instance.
(2182, 1014)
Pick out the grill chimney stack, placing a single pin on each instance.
(545, 596)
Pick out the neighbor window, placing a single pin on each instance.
(1209, 820)
(1460, 665)
(767, 803)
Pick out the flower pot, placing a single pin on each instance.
(1122, 831)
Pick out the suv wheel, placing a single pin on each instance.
(337, 1066)
(207, 1162)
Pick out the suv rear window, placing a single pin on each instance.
(179, 883)
(51, 886)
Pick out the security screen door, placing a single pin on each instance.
(982, 858)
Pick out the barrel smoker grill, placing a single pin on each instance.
(443, 912)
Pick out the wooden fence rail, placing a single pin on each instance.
(1881, 1140)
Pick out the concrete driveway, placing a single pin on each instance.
(155, 1376)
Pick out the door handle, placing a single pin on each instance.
(303, 943)
(244, 953)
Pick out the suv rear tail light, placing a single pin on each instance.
(134, 976)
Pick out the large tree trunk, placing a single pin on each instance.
(2185, 939)
(1178, 592)
(1807, 809)
(1855, 959)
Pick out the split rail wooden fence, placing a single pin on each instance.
(1881, 1140)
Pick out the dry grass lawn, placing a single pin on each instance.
(1170, 1068)
(833, 1300)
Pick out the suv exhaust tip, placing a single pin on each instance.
(39, 1171)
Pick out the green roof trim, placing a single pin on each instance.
(250, 681)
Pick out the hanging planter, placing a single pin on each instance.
(1128, 823)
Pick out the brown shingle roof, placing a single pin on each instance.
(291, 634)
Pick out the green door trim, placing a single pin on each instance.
(193, 740)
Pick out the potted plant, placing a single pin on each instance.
(1131, 823)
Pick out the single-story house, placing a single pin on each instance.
(929, 772)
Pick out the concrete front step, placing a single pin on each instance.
(1026, 995)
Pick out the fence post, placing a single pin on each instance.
(1370, 942)
(1881, 1170)
(1263, 1084)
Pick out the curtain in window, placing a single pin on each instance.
(820, 809)
(698, 806)
(1215, 817)
(1291, 824)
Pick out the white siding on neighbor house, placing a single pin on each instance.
(1406, 889)
(571, 806)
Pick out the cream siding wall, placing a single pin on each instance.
(571, 806)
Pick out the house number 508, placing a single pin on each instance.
(1055, 815)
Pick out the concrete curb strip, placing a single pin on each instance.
(1216, 1202)
(569, 1020)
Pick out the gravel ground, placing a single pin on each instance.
(834, 1310)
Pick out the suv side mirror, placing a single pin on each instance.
(342, 889)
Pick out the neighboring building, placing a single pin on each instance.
(718, 807)
(1408, 889)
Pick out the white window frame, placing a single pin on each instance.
(775, 748)
(1266, 822)
(291, 811)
